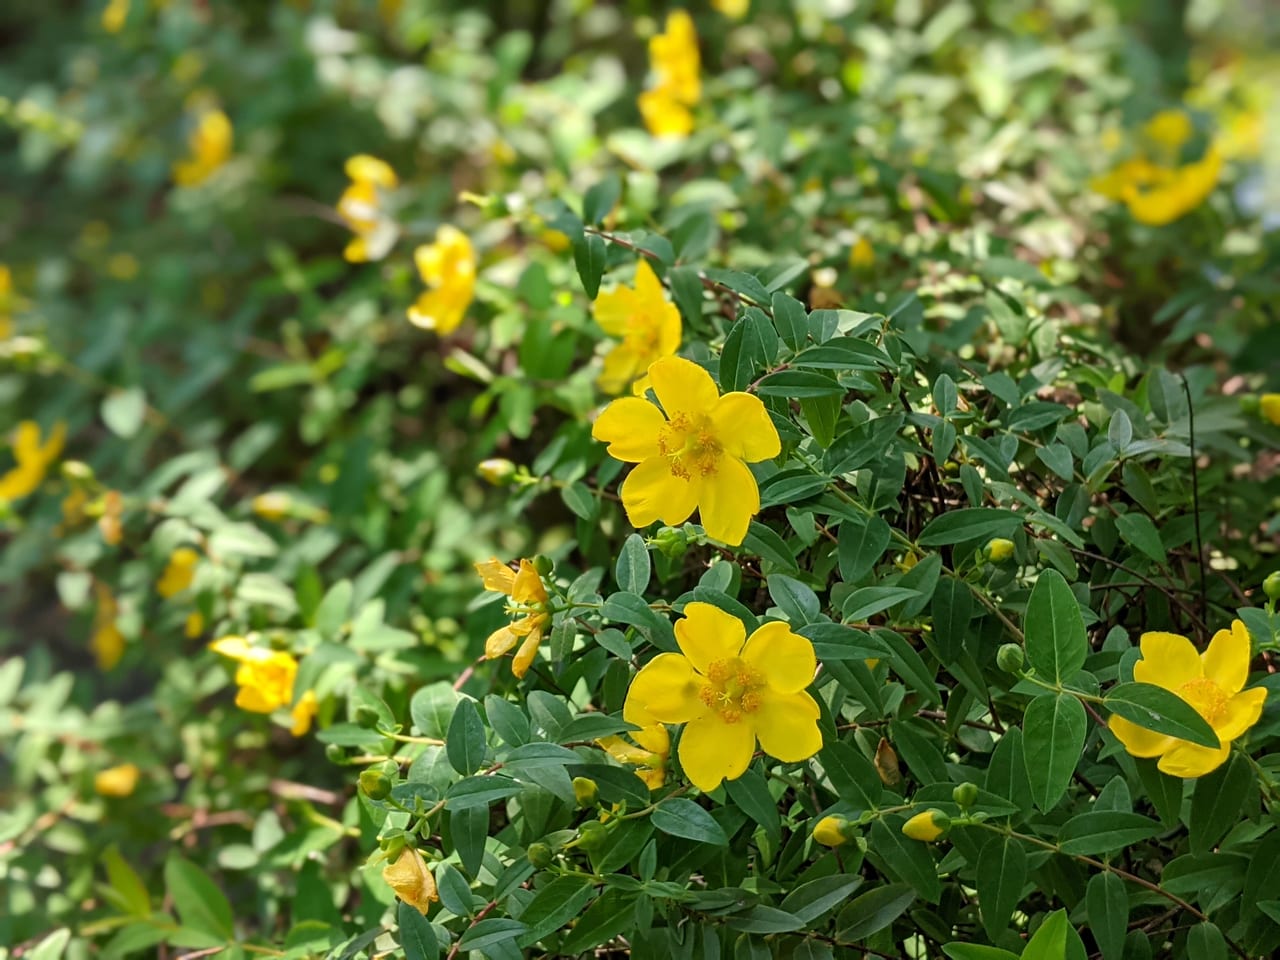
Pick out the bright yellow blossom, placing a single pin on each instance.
(360, 208)
(734, 9)
(33, 459)
(303, 712)
(694, 457)
(676, 65)
(119, 781)
(209, 146)
(528, 603)
(830, 831)
(1269, 406)
(654, 748)
(106, 641)
(411, 879)
(114, 15)
(448, 268)
(648, 324)
(178, 573)
(265, 677)
(1155, 185)
(1212, 682)
(925, 827)
(730, 691)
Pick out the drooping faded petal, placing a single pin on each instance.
(1189, 760)
(1226, 662)
(787, 726)
(682, 386)
(630, 426)
(786, 659)
(1243, 711)
(707, 633)
(744, 428)
(652, 492)
(1139, 741)
(727, 501)
(1168, 660)
(528, 650)
(712, 751)
(667, 689)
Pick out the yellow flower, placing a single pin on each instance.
(654, 748)
(1269, 405)
(695, 456)
(663, 115)
(830, 831)
(33, 459)
(303, 712)
(448, 267)
(106, 641)
(114, 15)
(111, 523)
(925, 827)
(360, 208)
(730, 691)
(1212, 682)
(676, 65)
(265, 677)
(647, 323)
(118, 781)
(179, 572)
(734, 9)
(194, 625)
(861, 255)
(1169, 130)
(209, 146)
(411, 879)
(528, 603)
(1176, 192)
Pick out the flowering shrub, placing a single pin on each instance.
(755, 481)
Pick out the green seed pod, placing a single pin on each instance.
(335, 754)
(965, 795)
(540, 855)
(1010, 658)
(543, 564)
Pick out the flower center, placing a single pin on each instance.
(1207, 697)
(689, 443)
(732, 688)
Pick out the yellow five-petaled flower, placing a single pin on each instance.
(265, 679)
(694, 457)
(730, 691)
(528, 604)
(648, 325)
(1212, 682)
(676, 65)
(360, 208)
(448, 268)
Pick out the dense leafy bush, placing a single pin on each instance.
(778, 479)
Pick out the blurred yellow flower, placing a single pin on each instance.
(830, 831)
(1153, 183)
(119, 781)
(209, 146)
(411, 879)
(178, 573)
(33, 458)
(730, 691)
(693, 457)
(111, 523)
(925, 827)
(114, 15)
(303, 712)
(265, 677)
(106, 642)
(448, 268)
(360, 208)
(528, 605)
(654, 748)
(1269, 405)
(862, 256)
(1169, 129)
(273, 506)
(648, 325)
(194, 625)
(676, 65)
(6, 302)
(735, 9)
(1212, 682)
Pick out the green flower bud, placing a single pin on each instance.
(77, 471)
(1271, 585)
(335, 754)
(965, 795)
(497, 471)
(592, 834)
(375, 784)
(671, 542)
(540, 855)
(1010, 658)
(543, 564)
(584, 791)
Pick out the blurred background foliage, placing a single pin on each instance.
(231, 386)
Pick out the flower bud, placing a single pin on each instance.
(118, 781)
(927, 827)
(77, 471)
(1271, 585)
(375, 784)
(965, 795)
(497, 471)
(998, 550)
(584, 791)
(411, 879)
(335, 754)
(1010, 658)
(543, 564)
(1269, 407)
(272, 506)
(592, 834)
(830, 831)
(540, 855)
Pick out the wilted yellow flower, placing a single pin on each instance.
(448, 268)
(648, 325)
(830, 831)
(676, 65)
(862, 256)
(925, 827)
(114, 15)
(528, 605)
(735, 9)
(654, 748)
(303, 712)
(33, 458)
(1212, 682)
(106, 642)
(265, 677)
(179, 572)
(209, 146)
(692, 457)
(360, 208)
(119, 781)
(411, 879)
(1269, 407)
(731, 691)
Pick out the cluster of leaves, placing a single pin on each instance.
(879, 225)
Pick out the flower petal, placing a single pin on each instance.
(653, 738)
(630, 426)
(667, 689)
(682, 386)
(651, 492)
(729, 498)
(786, 659)
(1243, 711)
(237, 648)
(707, 634)
(528, 650)
(1168, 661)
(499, 642)
(622, 367)
(527, 587)
(496, 575)
(648, 286)
(1189, 761)
(1139, 741)
(613, 309)
(787, 726)
(1226, 662)
(744, 429)
(712, 750)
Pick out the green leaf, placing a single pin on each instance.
(1205, 942)
(1050, 941)
(1007, 771)
(906, 859)
(750, 792)
(454, 891)
(128, 886)
(1055, 636)
(765, 919)
(790, 320)
(554, 905)
(610, 916)
(123, 411)
(861, 544)
(791, 486)
(590, 255)
(969, 523)
(1002, 873)
(417, 939)
(1139, 531)
(794, 384)
(976, 951)
(1216, 802)
(1102, 831)
(600, 199)
(464, 741)
(811, 900)
(488, 932)
(633, 567)
(795, 599)
(872, 911)
(579, 499)
(1108, 906)
(684, 818)
(868, 601)
(741, 356)
(952, 609)
(1161, 710)
(334, 609)
(51, 947)
(469, 829)
(852, 775)
(1053, 739)
(197, 899)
